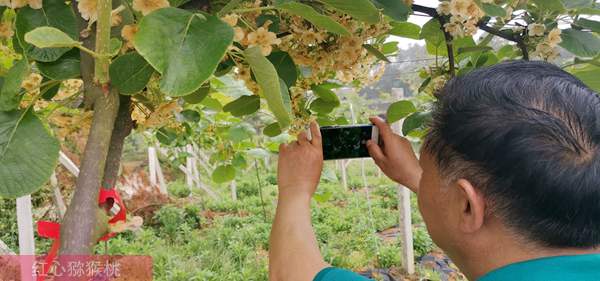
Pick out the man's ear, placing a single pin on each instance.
(472, 206)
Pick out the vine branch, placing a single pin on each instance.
(517, 38)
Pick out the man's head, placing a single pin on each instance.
(513, 148)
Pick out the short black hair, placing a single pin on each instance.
(527, 134)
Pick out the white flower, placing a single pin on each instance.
(536, 29)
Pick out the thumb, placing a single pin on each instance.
(375, 151)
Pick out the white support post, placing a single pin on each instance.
(189, 164)
(233, 187)
(68, 164)
(57, 197)
(408, 256)
(26, 238)
(152, 166)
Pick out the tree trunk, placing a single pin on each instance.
(84, 221)
(122, 129)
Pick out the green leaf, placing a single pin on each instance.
(191, 115)
(240, 132)
(166, 135)
(66, 67)
(229, 6)
(389, 48)
(28, 154)
(399, 110)
(130, 73)
(577, 4)
(406, 29)
(223, 173)
(373, 51)
(307, 12)
(415, 121)
(115, 46)
(10, 96)
(268, 80)
(325, 94)
(272, 130)
(395, 9)
(506, 51)
(580, 43)
(493, 10)
(550, 5)
(55, 13)
(590, 11)
(285, 66)
(589, 75)
(323, 106)
(197, 96)
(244, 105)
(463, 50)
(362, 10)
(589, 24)
(49, 37)
(182, 46)
(432, 33)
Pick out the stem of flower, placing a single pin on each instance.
(102, 41)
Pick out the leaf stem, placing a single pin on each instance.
(249, 10)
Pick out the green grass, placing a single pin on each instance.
(186, 244)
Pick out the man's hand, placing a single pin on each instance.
(294, 252)
(396, 158)
(300, 164)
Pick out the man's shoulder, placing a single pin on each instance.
(338, 274)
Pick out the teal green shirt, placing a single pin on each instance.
(562, 268)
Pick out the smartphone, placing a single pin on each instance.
(349, 141)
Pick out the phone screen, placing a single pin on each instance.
(342, 142)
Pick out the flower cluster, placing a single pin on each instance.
(89, 12)
(464, 16)
(32, 83)
(546, 45)
(14, 4)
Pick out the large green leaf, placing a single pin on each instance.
(268, 80)
(49, 37)
(307, 12)
(493, 10)
(323, 106)
(325, 94)
(130, 73)
(395, 9)
(577, 4)
(285, 66)
(580, 43)
(10, 96)
(66, 67)
(272, 130)
(432, 33)
(589, 75)
(244, 105)
(399, 110)
(376, 52)
(223, 173)
(362, 10)
(406, 29)
(198, 95)
(550, 5)
(54, 13)
(415, 121)
(28, 153)
(590, 24)
(182, 46)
